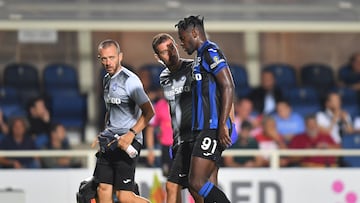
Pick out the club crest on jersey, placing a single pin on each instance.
(115, 86)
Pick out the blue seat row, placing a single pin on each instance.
(59, 83)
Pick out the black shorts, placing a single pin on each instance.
(207, 145)
(181, 164)
(117, 168)
(166, 160)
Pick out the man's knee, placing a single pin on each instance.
(104, 191)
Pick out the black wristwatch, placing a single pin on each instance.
(133, 131)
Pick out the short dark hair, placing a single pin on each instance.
(246, 125)
(194, 21)
(160, 38)
(108, 42)
(31, 103)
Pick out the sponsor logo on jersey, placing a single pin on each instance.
(113, 100)
(177, 90)
(217, 61)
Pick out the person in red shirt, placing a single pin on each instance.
(313, 138)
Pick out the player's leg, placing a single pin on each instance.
(103, 173)
(204, 159)
(124, 182)
(125, 196)
(173, 192)
(177, 175)
(104, 192)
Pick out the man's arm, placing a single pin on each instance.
(147, 113)
(226, 85)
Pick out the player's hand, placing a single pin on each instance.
(224, 137)
(125, 140)
(94, 143)
(151, 157)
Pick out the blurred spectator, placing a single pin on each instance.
(267, 95)
(39, 119)
(313, 139)
(4, 128)
(59, 141)
(288, 122)
(146, 79)
(349, 75)
(334, 120)
(357, 125)
(244, 141)
(18, 140)
(244, 112)
(270, 139)
(160, 127)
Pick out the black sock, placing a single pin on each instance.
(212, 194)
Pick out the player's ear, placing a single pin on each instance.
(120, 56)
(194, 33)
(156, 57)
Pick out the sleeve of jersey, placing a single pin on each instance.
(136, 91)
(215, 60)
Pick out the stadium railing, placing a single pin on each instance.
(90, 161)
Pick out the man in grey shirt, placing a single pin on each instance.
(129, 110)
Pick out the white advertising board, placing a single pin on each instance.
(240, 185)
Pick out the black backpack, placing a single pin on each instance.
(87, 191)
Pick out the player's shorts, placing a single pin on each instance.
(166, 160)
(181, 164)
(207, 145)
(117, 168)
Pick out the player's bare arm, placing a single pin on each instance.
(147, 113)
(226, 85)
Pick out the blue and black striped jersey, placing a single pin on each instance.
(206, 95)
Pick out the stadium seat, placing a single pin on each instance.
(285, 74)
(351, 142)
(347, 76)
(24, 78)
(240, 78)
(303, 100)
(10, 102)
(60, 77)
(352, 109)
(70, 110)
(319, 76)
(348, 95)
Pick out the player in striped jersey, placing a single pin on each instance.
(213, 95)
(176, 80)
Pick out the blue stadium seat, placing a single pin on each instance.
(351, 142)
(25, 78)
(240, 77)
(10, 102)
(348, 95)
(352, 109)
(70, 110)
(301, 95)
(285, 74)
(60, 77)
(347, 75)
(303, 100)
(319, 76)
